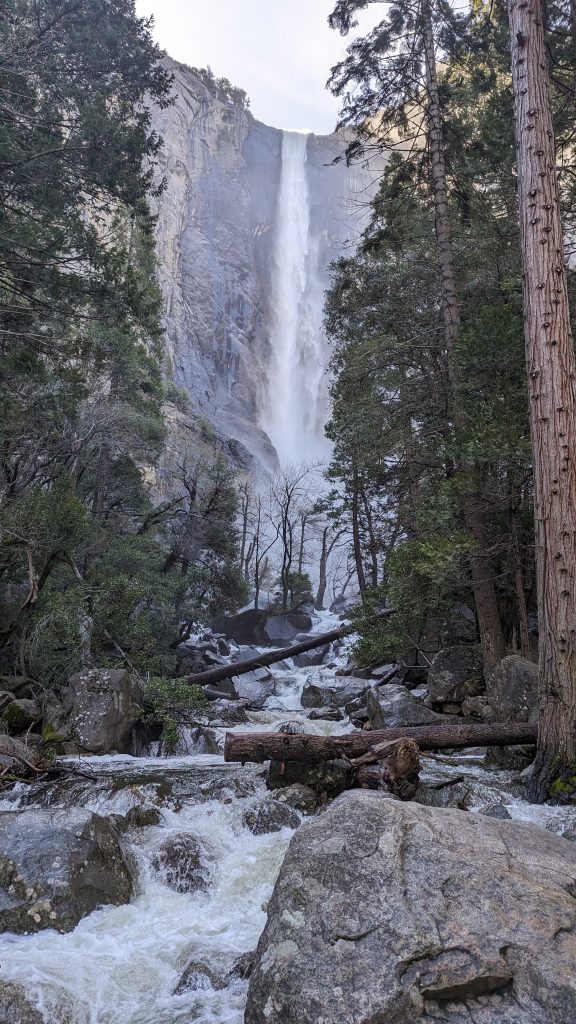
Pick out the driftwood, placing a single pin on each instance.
(220, 672)
(393, 766)
(266, 746)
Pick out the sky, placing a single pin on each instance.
(279, 51)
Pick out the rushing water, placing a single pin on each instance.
(121, 965)
(296, 404)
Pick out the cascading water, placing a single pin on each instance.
(295, 406)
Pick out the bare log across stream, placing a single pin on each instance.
(279, 746)
(215, 675)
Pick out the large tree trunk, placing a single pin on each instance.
(551, 370)
(481, 569)
(311, 749)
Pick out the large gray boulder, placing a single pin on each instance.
(512, 690)
(334, 692)
(391, 706)
(456, 673)
(283, 629)
(388, 913)
(103, 706)
(57, 866)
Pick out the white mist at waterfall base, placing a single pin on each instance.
(295, 405)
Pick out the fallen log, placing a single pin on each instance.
(311, 749)
(220, 672)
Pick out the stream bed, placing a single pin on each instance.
(123, 965)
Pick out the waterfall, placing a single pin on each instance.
(295, 406)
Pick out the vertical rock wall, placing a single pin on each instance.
(215, 234)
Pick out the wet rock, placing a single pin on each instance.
(180, 861)
(15, 1007)
(456, 673)
(282, 629)
(303, 798)
(325, 780)
(197, 740)
(103, 707)
(510, 758)
(326, 715)
(332, 692)
(382, 671)
(497, 811)
(312, 658)
(512, 690)
(389, 911)
(56, 867)
(270, 816)
(450, 793)
(244, 965)
(20, 714)
(137, 817)
(198, 977)
(223, 713)
(391, 707)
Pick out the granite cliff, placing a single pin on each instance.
(219, 255)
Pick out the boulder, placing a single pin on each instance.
(392, 912)
(456, 673)
(245, 628)
(103, 706)
(57, 866)
(198, 977)
(334, 692)
(180, 862)
(512, 690)
(326, 715)
(270, 816)
(311, 658)
(383, 671)
(282, 629)
(14, 752)
(15, 1007)
(303, 798)
(20, 714)
(391, 706)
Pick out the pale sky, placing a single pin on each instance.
(279, 51)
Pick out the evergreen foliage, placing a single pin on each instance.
(91, 571)
(405, 467)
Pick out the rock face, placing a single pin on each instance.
(390, 912)
(512, 690)
(56, 867)
(215, 238)
(103, 707)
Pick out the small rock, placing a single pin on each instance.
(270, 816)
(180, 861)
(496, 811)
(303, 798)
(243, 966)
(198, 977)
